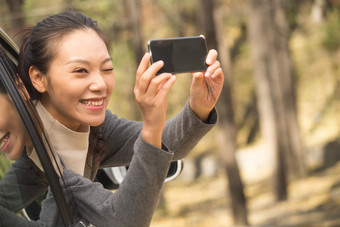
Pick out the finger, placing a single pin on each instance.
(197, 75)
(165, 87)
(146, 77)
(143, 65)
(198, 78)
(211, 69)
(156, 83)
(211, 57)
(218, 74)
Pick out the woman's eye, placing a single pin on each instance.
(82, 70)
(108, 70)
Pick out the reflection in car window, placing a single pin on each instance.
(13, 139)
(22, 183)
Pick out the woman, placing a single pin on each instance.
(65, 65)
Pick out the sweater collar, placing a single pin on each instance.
(71, 146)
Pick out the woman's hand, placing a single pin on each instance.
(206, 87)
(151, 96)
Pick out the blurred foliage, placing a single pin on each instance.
(4, 165)
(315, 48)
(331, 31)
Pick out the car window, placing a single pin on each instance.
(23, 184)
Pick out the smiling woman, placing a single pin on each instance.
(13, 136)
(82, 101)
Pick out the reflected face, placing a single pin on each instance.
(79, 81)
(13, 136)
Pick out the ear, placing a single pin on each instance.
(38, 79)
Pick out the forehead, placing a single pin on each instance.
(81, 43)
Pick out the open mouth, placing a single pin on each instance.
(4, 140)
(90, 102)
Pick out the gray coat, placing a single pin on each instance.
(135, 201)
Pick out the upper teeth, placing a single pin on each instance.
(93, 103)
(4, 141)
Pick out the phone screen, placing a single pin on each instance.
(180, 55)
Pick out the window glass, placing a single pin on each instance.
(24, 183)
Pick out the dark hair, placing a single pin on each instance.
(38, 48)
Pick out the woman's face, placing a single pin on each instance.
(13, 136)
(79, 81)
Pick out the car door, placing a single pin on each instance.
(14, 194)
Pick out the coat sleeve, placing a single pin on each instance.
(185, 130)
(180, 134)
(8, 218)
(134, 203)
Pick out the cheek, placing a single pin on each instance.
(61, 86)
(3, 124)
(8, 119)
(61, 92)
(111, 83)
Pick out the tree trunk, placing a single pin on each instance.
(268, 33)
(318, 12)
(136, 32)
(134, 13)
(211, 20)
(18, 21)
(173, 16)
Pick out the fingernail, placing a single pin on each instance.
(160, 62)
(208, 61)
(207, 74)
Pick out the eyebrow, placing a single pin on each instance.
(78, 60)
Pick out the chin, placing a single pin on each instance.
(96, 121)
(14, 155)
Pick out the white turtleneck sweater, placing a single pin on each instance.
(71, 146)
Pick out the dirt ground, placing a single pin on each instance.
(313, 201)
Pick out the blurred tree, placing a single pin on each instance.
(68, 4)
(175, 17)
(212, 25)
(268, 36)
(318, 11)
(135, 29)
(133, 9)
(17, 16)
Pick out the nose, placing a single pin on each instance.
(98, 83)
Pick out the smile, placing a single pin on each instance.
(93, 102)
(4, 140)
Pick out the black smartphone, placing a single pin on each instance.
(180, 55)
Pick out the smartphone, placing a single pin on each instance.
(180, 55)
